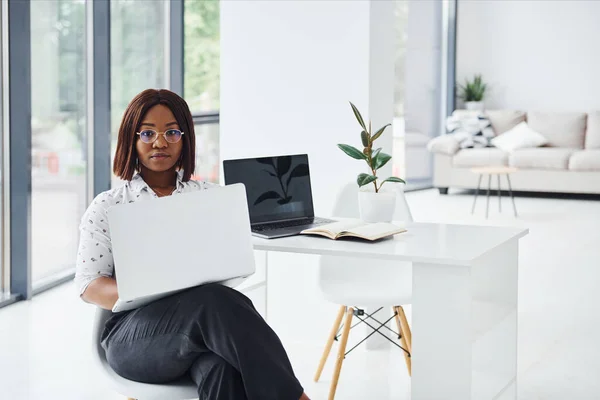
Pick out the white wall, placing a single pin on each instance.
(288, 70)
(535, 54)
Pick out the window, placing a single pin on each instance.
(201, 55)
(58, 134)
(3, 269)
(201, 82)
(400, 30)
(138, 37)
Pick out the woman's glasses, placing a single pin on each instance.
(150, 136)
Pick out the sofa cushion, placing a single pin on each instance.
(503, 120)
(444, 144)
(488, 156)
(540, 158)
(561, 129)
(519, 137)
(585, 160)
(592, 134)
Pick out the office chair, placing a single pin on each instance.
(178, 390)
(356, 284)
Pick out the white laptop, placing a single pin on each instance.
(172, 243)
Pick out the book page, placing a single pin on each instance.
(337, 227)
(375, 230)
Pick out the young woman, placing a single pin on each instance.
(211, 332)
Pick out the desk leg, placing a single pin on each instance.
(464, 328)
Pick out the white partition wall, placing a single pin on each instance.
(288, 71)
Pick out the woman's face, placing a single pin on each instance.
(161, 155)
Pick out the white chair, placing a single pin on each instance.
(178, 390)
(353, 282)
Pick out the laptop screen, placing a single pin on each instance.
(277, 188)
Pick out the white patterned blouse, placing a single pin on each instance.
(94, 257)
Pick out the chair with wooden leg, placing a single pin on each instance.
(358, 285)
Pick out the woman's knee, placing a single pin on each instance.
(210, 370)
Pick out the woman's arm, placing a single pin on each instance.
(94, 276)
(102, 292)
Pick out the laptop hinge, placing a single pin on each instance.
(280, 220)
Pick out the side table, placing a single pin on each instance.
(489, 171)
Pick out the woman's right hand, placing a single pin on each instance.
(102, 292)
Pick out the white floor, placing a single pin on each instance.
(45, 349)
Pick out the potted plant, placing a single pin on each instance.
(375, 205)
(472, 93)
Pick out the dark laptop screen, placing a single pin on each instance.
(277, 187)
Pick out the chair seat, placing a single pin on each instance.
(366, 295)
(177, 390)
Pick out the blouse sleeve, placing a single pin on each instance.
(94, 257)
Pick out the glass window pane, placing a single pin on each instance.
(3, 268)
(58, 133)
(201, 81)
(207, 152)
(137, 52)
(201, 55)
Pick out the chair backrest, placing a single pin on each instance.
(100, 319)
(347, 269)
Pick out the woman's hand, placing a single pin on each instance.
(102, 292)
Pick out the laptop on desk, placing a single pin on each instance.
(278, 192)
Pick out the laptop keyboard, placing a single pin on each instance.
(290, 224)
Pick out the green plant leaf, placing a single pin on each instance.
(375, 153)
(359, 117)
(393, 179)
(364, 136)
(352, 152)
(365, 179)
(381, 160)
(379, 132)
(472, 91)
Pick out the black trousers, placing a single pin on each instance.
(211, 333)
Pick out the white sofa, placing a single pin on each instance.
(569, 163)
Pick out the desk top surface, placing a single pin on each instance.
(422, 242)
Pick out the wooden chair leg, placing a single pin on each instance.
(330, 339)
(341, 352)
(403, 337)
(405, 327)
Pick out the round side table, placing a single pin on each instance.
(489, 171)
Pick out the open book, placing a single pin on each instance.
(355, 228)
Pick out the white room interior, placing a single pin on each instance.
(287, 72)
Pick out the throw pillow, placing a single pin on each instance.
(471, 129)
(519, 137)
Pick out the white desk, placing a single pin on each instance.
(464, 310)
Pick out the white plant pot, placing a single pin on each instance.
(474, 105)
(377, 207)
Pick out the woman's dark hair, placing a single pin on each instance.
(126, 158)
